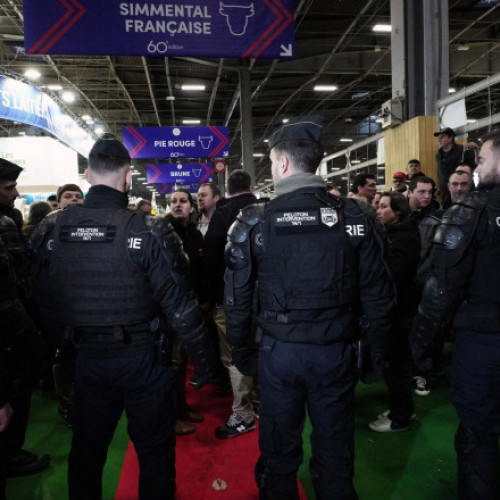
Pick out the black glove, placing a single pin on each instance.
(422, 337)
(245, 359)
(201, 355)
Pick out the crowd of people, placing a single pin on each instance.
(284, 304)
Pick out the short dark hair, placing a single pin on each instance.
(305, 155)
(360, 181)
(213, 187)
(424, 180)
(494, 137)
(399, 204)
(68, 187)
(141, 203)
(238, 182)
(52, 197)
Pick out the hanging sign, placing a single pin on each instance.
(176, 142)
(180, 173)
(196, 28)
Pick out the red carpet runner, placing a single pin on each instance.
(207, 468)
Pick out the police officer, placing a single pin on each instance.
(22, 350)
(463, 277)
(316, 258)
(106, 271)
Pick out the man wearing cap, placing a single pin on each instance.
(399, 182)
(449, 156)
(110, 274)
(463, 282)
(316, 258)
(21, 347)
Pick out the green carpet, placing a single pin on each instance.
(418, 464)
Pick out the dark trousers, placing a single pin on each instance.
(294, 377)
(475, 393)
(106, 387)
(398, 374)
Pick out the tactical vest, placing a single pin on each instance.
(481, 309)
(307, 269)
(95, 280)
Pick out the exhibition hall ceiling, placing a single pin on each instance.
(335, 45)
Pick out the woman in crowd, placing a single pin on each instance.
(402, 252)
(181, 217)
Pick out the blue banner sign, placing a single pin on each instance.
(170, 188)
(176, 142)
(180, 173)
(199, 28)
(26, 104)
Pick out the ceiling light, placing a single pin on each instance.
(382, 28)
(258, 155)
(451, 90)
(68, 96)
(325, 88)
(463, 46)
(54, 87)
(99, 130)
(345, 139)
(193, 87)
(141, 178)
(266, 140)
(286, 120)
(86, 118)
(471, 120)
(355, 162)
(191, 122)
(32, 74)
(170, 98)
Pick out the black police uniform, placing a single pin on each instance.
(315, 257)
(465, 273)
(22, 349)
(103, 269)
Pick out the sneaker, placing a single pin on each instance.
(413, 416)
(420, 386)
(25, 463)
(235, 426)
(385, 424)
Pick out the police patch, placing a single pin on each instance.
(329, 216)
(86, 233)
(296, 218)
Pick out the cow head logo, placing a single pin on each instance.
(236, 17)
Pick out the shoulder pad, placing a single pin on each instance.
(474, 199)
(157, 225)
(353, 208)
(45, 226)
(6, 223)
(464, 212)
(251, 214)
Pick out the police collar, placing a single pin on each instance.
(297, 181)
(102, 196)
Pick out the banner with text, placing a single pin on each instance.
(176, 142)
(26, 104)
(179, 173)
(199, 28)
(170, 188)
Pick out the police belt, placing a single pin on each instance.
(124, 334)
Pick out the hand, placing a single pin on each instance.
(6, 413)
(246, 360)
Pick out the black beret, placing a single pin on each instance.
(108, 145)
(303, 128)
(9, 171)
(446, 131)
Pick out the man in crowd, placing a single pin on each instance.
(364, 187)
(143, 206)
(463, 281)
(52, 201)
(111, 276)
(68, 194)
(208, 196)
(21, 348)
(459, 183)
(242, 418)
(449, 156)
(304, 248)
(421, 198)
(414, 169)
(399, 182)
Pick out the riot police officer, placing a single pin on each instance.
(106, 271)
(317, 258)
(21, 347)
(464, 281)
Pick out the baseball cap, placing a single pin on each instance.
(304, 128)
(446, 131)
(399, 175)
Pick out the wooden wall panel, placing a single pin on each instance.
(412, 139)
